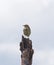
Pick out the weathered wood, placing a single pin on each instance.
(26, 51)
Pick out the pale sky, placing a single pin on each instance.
(39, 14)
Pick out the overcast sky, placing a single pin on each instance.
(39, 14)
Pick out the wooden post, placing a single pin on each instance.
(26, 51)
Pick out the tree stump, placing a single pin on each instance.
(26, 51)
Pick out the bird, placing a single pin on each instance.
(26, 30)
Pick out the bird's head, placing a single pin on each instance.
(26, 30)
(26, 25)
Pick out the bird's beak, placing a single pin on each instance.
(23, 25)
